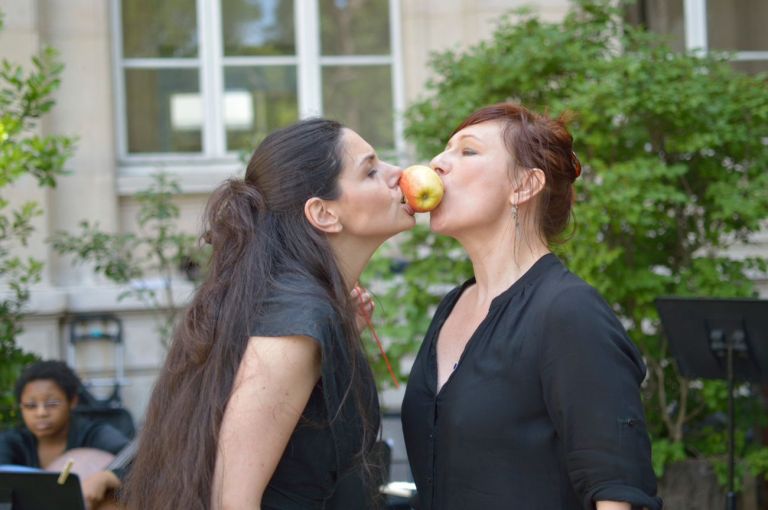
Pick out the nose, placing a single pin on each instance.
(393, 176)
(439, 164)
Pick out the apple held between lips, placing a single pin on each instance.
(422, 187)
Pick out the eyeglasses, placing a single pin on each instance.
(48, 405)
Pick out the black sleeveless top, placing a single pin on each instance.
(329, 434)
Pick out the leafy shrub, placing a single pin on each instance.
(24, 98)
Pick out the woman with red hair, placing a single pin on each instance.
(525, 392)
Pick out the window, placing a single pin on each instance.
(739, 26)
(200, 81)
(719, 25)
(660, 16)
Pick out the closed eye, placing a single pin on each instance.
(372, 172)
(468, 152)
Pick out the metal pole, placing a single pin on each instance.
(730, 499)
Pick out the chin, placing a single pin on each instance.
(442, 225)
(405, 221)
(438, 229)
(436, 221)
(403, 227)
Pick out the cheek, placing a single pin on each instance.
(477, 194)
(368, 214)
(369, 202)
(27, 416)
(61, 416)
(470, 202)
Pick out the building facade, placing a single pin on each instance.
(184, 86)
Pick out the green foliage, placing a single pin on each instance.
(674, 156)
(25, 96)
(757, 461)
(664, 452)
(158, 250)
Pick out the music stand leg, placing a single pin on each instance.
(6, 499)
(730, 499)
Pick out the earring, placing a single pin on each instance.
(517, 241)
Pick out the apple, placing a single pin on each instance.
(422, 187)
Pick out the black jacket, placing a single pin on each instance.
(19, 446)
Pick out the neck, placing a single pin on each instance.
(499, 260)
(352, 255)
(55, 440)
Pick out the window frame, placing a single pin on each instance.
(201, 172)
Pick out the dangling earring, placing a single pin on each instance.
(516, 219)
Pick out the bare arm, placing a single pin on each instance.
(272, 387)
(95, 487)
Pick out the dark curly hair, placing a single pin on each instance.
(54, 370)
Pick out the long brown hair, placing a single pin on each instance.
(537, 141)
(257, 229)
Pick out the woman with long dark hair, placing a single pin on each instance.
(526, 391)
(265, 399)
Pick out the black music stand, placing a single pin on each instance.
(29, 489)
(718, 339)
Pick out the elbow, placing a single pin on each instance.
(239, 505)
(236, 504)
(224, 499)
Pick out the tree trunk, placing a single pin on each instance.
(692, 485)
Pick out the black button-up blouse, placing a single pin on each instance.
(542, 412)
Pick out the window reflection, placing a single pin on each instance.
(257, 27)
(187, 110)
(361, 98)
(737, 25)
(153, 29)
(238, 109)
(258, 100)
(661, 16)
(354, 27)
(164, 110)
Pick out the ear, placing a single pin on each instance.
(531, 183)
(322, 215)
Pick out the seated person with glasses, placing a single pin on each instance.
(47, 393)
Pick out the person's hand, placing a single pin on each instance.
(365, 306)
(96, 486)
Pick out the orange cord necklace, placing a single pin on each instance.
(376, 337)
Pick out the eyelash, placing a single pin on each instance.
(468, 152)
(372, 172)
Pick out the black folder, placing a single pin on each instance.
(29, 489)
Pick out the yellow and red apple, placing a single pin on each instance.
(422, 188)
